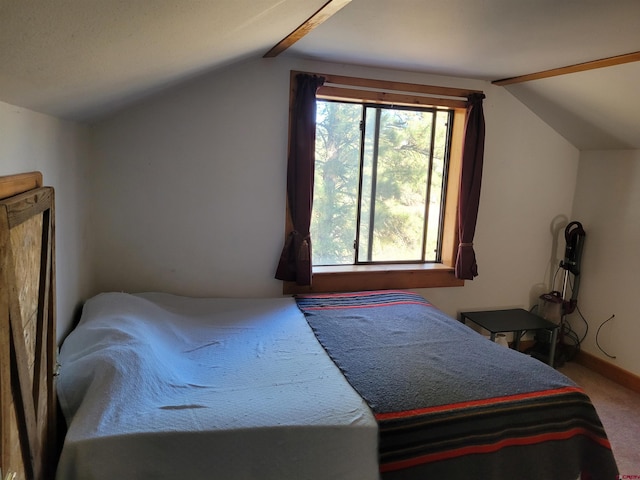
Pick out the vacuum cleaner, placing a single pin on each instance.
(556, 305)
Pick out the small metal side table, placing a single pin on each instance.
(515, 320)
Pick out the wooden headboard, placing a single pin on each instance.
(27, 328)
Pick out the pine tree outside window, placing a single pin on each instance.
(385, 216)
(380, 183)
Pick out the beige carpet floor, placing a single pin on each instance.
(619, 411)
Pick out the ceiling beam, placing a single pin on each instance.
(324, 13)
(579, 67)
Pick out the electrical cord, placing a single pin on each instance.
(586, 324)
(572, 333)
(568, 333)
(569, 337)
(553, 282)
(598, 343)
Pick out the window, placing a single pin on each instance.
(380, 178)
(405, 235)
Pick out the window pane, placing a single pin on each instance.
(367, 208)
(379, 187)
(333, 223)
(436, 200)
(397, 168)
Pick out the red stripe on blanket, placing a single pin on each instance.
(494, 447)
(475, 403)
(370, 305)
(355, 294)
(386, 293)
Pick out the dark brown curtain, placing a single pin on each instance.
(295, 260)
(471, 178)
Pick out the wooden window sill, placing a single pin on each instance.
(348, 278)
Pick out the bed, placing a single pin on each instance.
(362, 386)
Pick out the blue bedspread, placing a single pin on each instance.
(451, 404)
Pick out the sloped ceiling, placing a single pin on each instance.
(82, 59)
(595, 110)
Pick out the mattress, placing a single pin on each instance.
(162, 387)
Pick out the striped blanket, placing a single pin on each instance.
(449, 403)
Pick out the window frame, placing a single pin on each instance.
(394, 275)
(375, 110)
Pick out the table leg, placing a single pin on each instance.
(516, 340)
(552, 348)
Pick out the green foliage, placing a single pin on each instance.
(335, 200)
(396, 182)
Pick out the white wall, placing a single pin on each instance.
(31, 141)
(607, 203)
(527, 192)
(187, 193)
(190, 189)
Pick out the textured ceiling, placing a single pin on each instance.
(595, 110)
(486, 39)
(80, 59)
